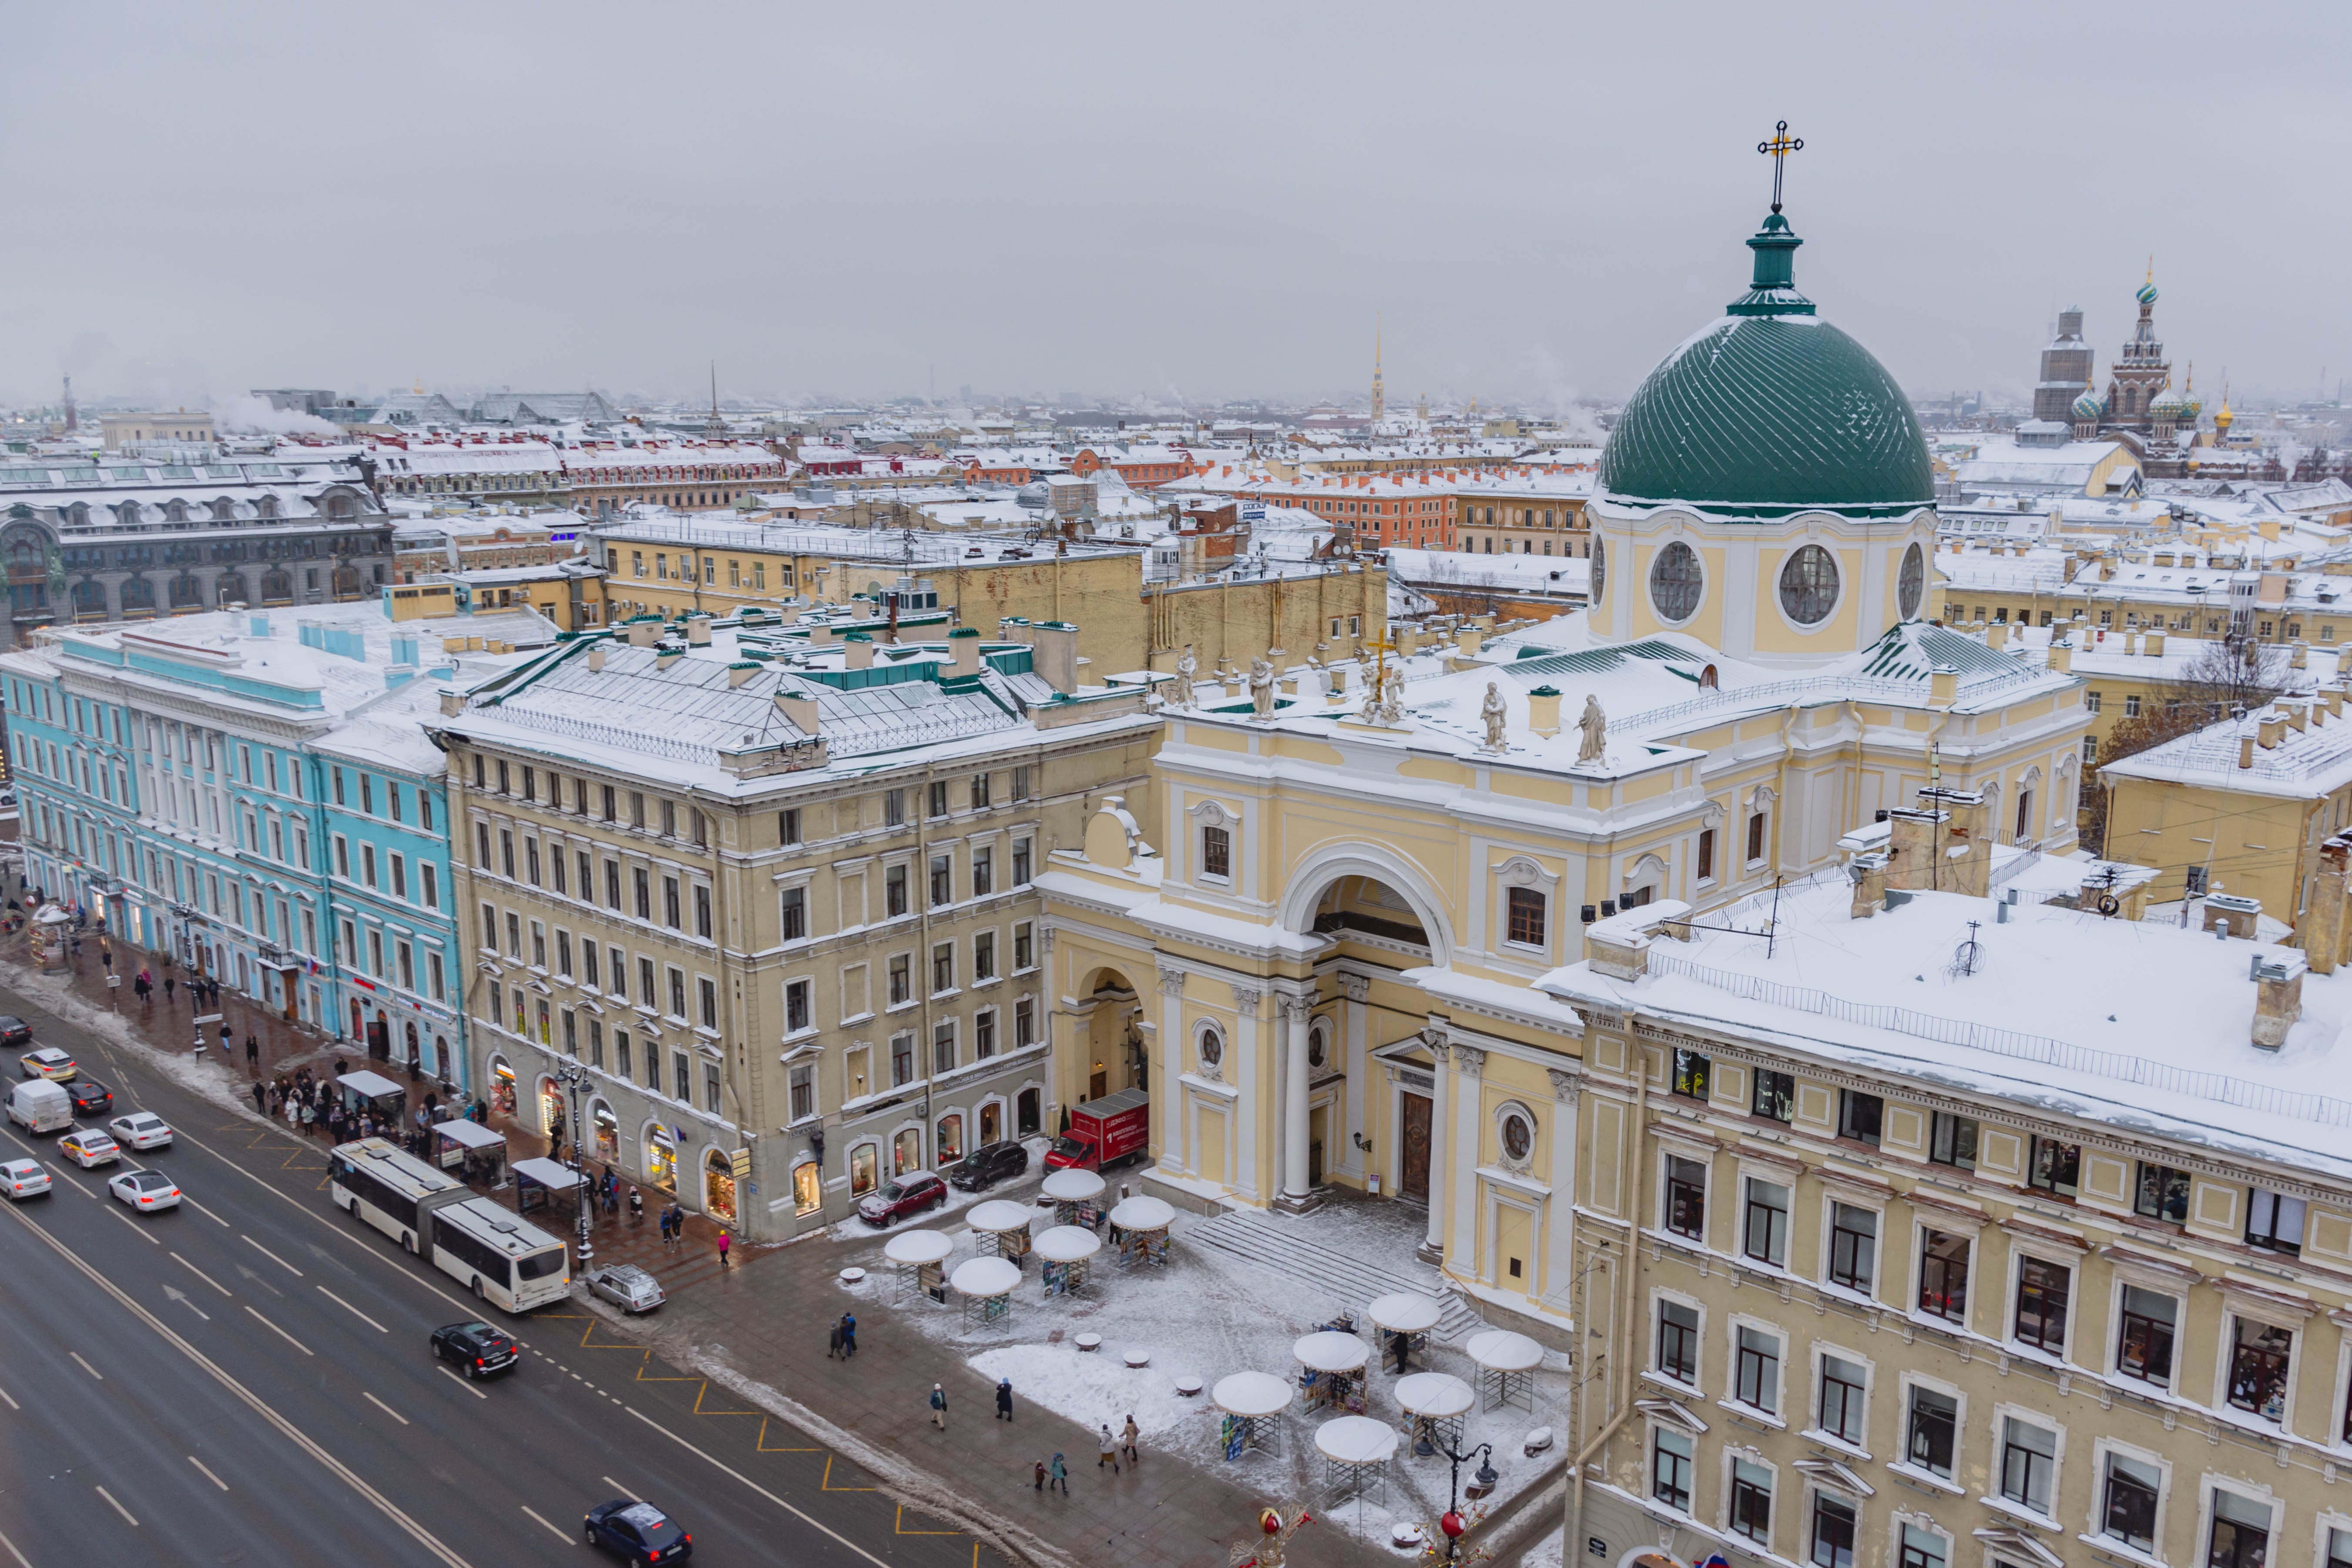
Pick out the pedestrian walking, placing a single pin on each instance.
(665, 1226)
(1109, 1451)
(722, 1247)
(252, 1052)
(938, 1408)
(310, 1118)
(224, 1041)
(636, 1206)
(1400, 1344)
(849, 1334)
(832, 1340)
(1041, 1474)
(1004, 1399)
(1058, 1474)
(1129, 1437)
(261, 1097)
(168, 983)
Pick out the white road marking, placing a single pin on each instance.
(87, 1367)
(205, 1472)
(618, 1488)
(136, 1228)
(387, 1409)
(252, 1401)
(10, 1403)
(125, 1513)
(200, 1274)
(354, 1312)
(22, 1561)
(281, 1333)
(271, 1256)
(564, 1533)
(728, 1471)
(205, 1212)
(463, 1384)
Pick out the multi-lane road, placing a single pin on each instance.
(246, 1379)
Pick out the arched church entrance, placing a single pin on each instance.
(1108, 1028)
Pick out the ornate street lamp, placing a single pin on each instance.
(1452, 1523)
(574, 1078)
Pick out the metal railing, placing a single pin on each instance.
(2105, 1066)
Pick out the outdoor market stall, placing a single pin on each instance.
(1138, 1230)
(921, 1256)
(1002, 1228)
(1067, 1250)
(1408, 1315)
(1435, 1403)
(1506, 1367)
(1077, 1196)
(986, 1286)
(538, 1181)
(1331, 1370)
(460, 1142)
(1355, 1451)
(1253, 1404)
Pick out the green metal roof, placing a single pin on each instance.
(1912, 650)
(1769, 411)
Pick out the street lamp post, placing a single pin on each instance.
(574, 1078)
(1453, 1523)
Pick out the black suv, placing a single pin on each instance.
(479, 1349)
(14, 1031)
(90, 1097)
(989, 1164)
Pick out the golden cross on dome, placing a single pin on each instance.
(1777, 149)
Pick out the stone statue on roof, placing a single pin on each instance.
(1494, 712)
(1594, 727)
(1179, 691)
(1261, 685)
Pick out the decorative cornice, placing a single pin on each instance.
(1468, 1060)
(1355, 987)
(1245, 1001)
(1563, 1083)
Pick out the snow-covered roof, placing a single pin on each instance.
(2307, 764)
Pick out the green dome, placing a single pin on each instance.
(1767, 411)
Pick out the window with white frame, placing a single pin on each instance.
(2261, 1361)
(1764, 1222)
(1678, 1341)
(1840, 1410)
(1751, 1501)
(1921, 1548)
(1931, 1431)
(1853, 1246)
(1686, 1197)
(1833, 1534)
(2240, 1532)
(1757, 1369)
(1944, 1275)
(2146, 1322)
(2043, 1294)
(1671, 1456)
(1216, 853)
(2028, 1464)
(2130, 1491)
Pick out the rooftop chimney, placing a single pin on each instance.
(2273, 729)
(2278, 995)
(643, 633)
(1943, 686)
(742, 670)
(801, 711)
(697, 631)
(1057, 656)
(597, 652)
(858, 651)
(1543, 711)
(963, 649)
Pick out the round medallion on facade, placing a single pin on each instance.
(1676, 582)
(1911, 583)
(1809, 586)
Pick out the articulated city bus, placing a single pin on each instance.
(502, 1259)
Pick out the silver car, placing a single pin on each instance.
(627, 1287)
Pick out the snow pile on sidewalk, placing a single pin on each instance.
(1097, 1389)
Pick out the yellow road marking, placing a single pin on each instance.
(900, 1528)
(827, 1485)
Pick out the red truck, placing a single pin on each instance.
(1103, 1132)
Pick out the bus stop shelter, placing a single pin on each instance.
(539, 1181)
(460, 1142)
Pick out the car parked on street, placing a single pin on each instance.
(478, 1349)
(146, 1191)
(24, 1178)
(90, 1148)
(14, 1031)
(90, 1097)
(639, 1531)
(911, 1194)
(627, 1287)
(48, 1062)
(989, 1164)
(142, 1129)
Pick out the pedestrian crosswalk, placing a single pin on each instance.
(1287, 1248)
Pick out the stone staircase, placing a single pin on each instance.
(1286, 1247)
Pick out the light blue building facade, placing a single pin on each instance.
(254, 796)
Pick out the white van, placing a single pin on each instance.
(40, 1106)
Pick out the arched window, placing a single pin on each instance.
(187, 592)
(341, 509)
(266, 507)
(175, 511)
(138, 594)
(224, 510)
(718, 1187)
(90, 599)
(1211, 1050)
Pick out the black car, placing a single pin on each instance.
(479, 1349)
(14, 1031)
(90, 1097)
(639, 1531)
(989, 1164)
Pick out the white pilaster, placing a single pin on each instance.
(1441, 1144)
(1296, 1013)
(1560, 1241)
(1462, 1176)
(1252, 1082)
(1355, 990)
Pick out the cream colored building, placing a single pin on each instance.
(773, 901)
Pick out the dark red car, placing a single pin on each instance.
(911, 1194)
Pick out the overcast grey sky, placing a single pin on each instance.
(1204, 200)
